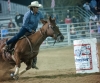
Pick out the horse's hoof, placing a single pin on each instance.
(16, 77)
(12, 74)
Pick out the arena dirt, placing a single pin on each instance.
(55, 66)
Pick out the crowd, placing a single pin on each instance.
(93, 6)
(90, 7)
(18, 21)
(93, 27)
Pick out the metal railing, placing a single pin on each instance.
(81, 31)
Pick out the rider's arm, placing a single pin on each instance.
(26, 22)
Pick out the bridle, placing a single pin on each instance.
(53, 28)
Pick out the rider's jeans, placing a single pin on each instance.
(17, 36)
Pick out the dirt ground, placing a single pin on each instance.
(56, 65)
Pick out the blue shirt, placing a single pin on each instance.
(30, 20)
(93, 3)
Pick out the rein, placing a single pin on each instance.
(53, 30)
(43, 35)
(30, 44)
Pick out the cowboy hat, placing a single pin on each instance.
(40, 5)
(35, 3)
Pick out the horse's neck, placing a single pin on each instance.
(37, 38)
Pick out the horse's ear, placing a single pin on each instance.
(50, 19)
(43, 22)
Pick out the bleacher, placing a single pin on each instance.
(65, 28)
(60, 11)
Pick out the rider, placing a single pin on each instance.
(30, 24)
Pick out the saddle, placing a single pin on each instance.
(10, 47)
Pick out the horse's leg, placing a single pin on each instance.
(28, 63)
(16, 70)
(18, 63)
(22, 71)
(15, 74)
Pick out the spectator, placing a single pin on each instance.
(61, 22)
(83, 32)
(55, 16)
(98, 3)
(74, 20)
(98, 27)
(68, 13)
(98, 13)
(73, 32)
(19, 19)
(93, 6)
(91, 26)
(67, 20)
(11, 24)
(80, 19)
(86, 6)
(94, 18)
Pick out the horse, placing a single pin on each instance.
(27, 48)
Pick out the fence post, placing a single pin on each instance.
(90, 29)
(47, 42)
(68, 34)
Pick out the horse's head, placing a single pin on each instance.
(51, 29)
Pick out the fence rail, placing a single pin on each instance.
(71, 32)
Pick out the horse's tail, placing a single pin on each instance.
(2, 43)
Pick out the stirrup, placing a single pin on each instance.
(5, 47)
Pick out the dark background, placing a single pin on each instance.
(27, 2)
(23, 2)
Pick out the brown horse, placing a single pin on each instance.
(28, 48)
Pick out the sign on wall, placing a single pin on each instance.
(4, 32)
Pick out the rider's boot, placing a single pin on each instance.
(6, 47)
(34, 66)
(34, 61)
